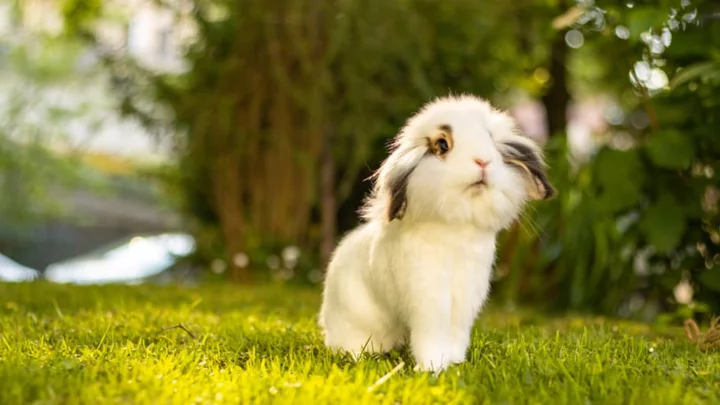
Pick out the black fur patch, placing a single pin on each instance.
(529, 158)
(398, 195)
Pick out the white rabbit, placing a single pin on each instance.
(419, 267)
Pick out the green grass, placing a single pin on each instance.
(101, 345)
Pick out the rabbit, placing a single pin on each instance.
(417, 269)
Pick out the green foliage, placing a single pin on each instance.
(100, 345)
(261, 98)
(270, 84)
(618, 192)
(30, 169)
(670, 149)
(28, 172)
(641, 218)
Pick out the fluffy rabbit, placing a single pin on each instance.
(419, 267)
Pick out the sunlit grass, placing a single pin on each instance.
(98, 345)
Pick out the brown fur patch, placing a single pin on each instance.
(434, 143)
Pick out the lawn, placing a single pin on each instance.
(116, 344)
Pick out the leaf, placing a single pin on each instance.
(642, 19)
(611, 162)
(693, 72)
(619, 176)
(670, 149)
(664, 224)
(710, 278)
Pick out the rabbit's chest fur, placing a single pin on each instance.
(448, 265)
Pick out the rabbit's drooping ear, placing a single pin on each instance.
(397, 190)
(529, 161)
(392, 181)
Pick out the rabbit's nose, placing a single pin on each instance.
(482, 163)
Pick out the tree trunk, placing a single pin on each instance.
(328, 208)
(234, 243)
(557, 99)
(229, 205)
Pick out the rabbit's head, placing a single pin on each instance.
(459, 160)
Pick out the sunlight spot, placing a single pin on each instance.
(658, 79)
(218, 266)
(646, 36)
(241, 260)
(683, 292)
(656, 45)
(642, 71)
(622, 32)
(690, 17)
(290, 256)
(541, 75)
(666, 37)
(574, 39)
(652, 78)
(709, 171)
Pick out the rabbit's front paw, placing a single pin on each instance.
(434, 362)
(432, 354)
(459, 346)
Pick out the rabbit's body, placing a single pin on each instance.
(386, 291)
(419, 269)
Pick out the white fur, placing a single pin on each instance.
(425, 277)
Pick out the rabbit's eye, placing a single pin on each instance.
(442, 146)
(442, 142)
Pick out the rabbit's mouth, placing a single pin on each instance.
(478, 185)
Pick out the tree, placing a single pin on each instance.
(641, 215)
(34, 64)
(285, 101)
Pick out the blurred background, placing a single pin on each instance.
(195, 141)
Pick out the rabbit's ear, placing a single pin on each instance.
(397, 194)
(530, 162)
(392, 180)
